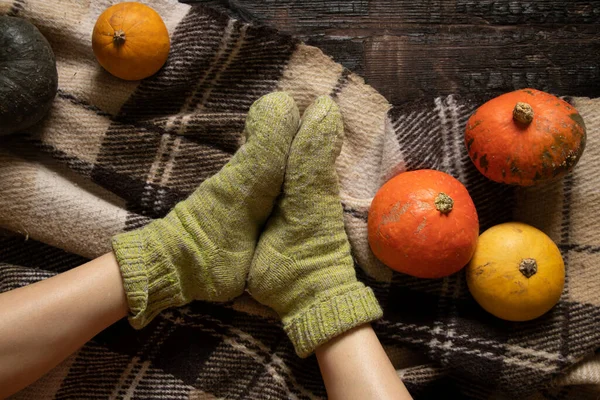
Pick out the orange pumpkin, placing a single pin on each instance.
(525, 137)
(130, 40)
(423, 223)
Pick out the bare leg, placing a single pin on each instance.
(43, 323)
(355, 366)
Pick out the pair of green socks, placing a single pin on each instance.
(238, 231)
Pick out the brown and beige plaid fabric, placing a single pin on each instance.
(112, 155)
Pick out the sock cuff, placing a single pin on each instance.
(150, 281)
(328, 318)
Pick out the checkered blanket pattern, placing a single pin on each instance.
(112, 155)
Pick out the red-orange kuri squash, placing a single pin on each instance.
(525, 137)
(423, 223)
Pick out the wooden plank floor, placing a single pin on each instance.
(411, 49)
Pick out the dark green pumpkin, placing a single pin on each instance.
(28, 76)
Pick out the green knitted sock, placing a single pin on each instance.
(203, 248)
(302, 267)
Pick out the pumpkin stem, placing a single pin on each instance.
(523, 113)
(528, 267)
(119, 38)
(443, 203)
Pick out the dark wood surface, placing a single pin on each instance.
(411, 49)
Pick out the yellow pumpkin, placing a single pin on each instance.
(517, 272)
(130, 40)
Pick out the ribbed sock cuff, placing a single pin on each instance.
(331, 317)
(151, 283)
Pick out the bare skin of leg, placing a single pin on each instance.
(45, 322)
(355, 366)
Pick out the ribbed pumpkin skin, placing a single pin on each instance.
(511, 152)
(28, 76)
(130, 40)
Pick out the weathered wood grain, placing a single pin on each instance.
(427, 61)
(409, 49)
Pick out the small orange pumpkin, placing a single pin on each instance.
(423, 223)
(525, 137)
(130, 40)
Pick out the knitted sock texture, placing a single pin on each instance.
(303, 268)
(203, 248)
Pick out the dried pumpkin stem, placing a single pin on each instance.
(119, 37)
(443, 203)
(523, 113)
(528, 267)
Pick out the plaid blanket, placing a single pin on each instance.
(112, 155)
